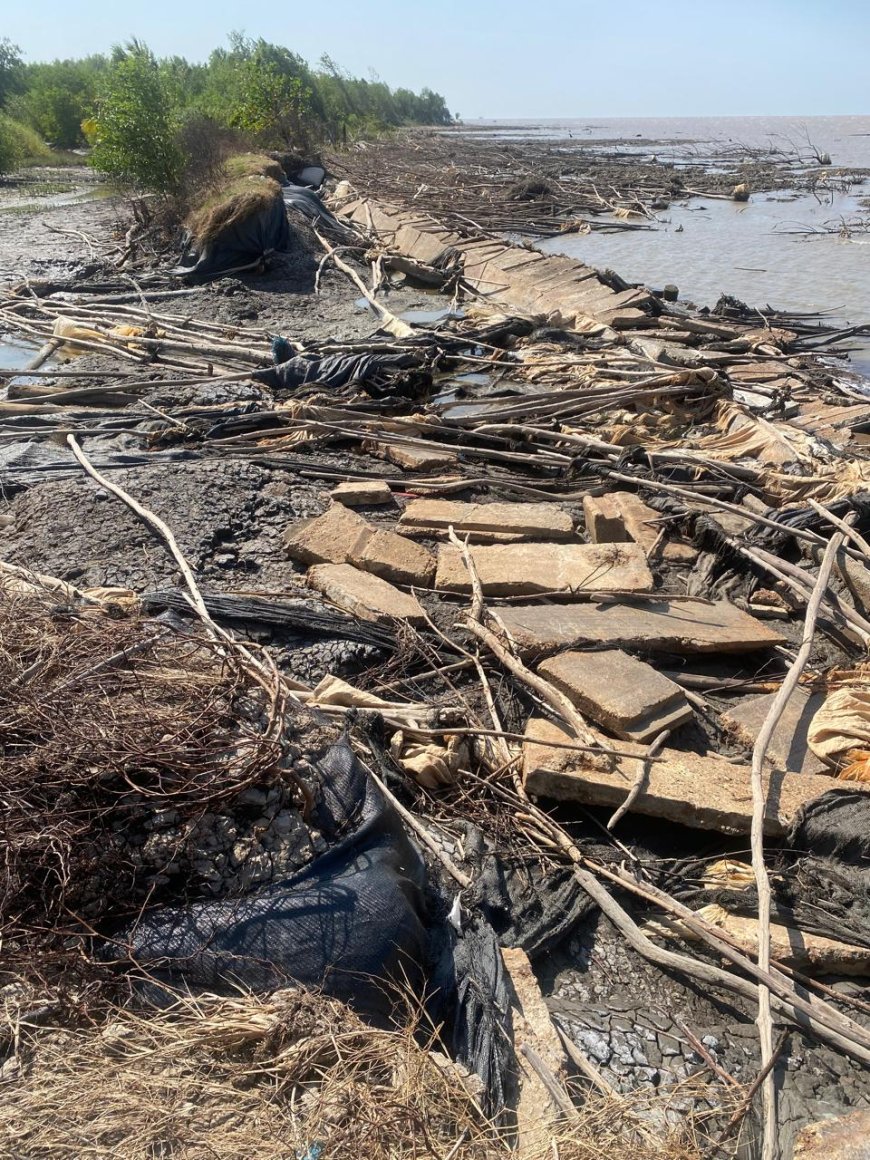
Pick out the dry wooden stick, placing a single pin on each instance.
(476, 612)
(641, 779)
(389, 321)
(420, 830)
(847, 530)
(265, 673)
(824, 1021)
(759, 808)
(746, 1102)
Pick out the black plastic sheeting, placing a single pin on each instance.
(335, 370)
(362, 922)
(245, 243)
(307, 202)
(351, 921)
(821, 879)
(241, 245)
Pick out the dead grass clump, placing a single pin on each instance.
(253, 165)
(294, 1074)
(243, 198)
(530, 189)
(108, 723)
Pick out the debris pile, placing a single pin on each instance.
(513, 658)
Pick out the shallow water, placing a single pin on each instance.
(744, 249)
(14, 353)
(748, 250)
(846, 139)
(753, 250)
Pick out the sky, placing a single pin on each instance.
(517, 58)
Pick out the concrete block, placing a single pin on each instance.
(625, 695)
(539, 521)
(706, 793)
(362, 493)
(523, 569)
(622, 516)
(326, 539)
(364, 595)
(660, 625)
(394, 557)
(419, 458)
(788, 747)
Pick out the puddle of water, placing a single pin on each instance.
(16, 354)
(429, 317)
(416, 317)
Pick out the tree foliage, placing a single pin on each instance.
(139, 110)
(11, 67)
(135, 124)
(58, 97)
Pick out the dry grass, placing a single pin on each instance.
(105, 720)
(232, 203)
(253, 165)
(248, 183)
(292, 1075)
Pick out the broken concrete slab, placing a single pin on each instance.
(540, 521)
(625, 695)
(705, 793)
(419, 458)
(524, 569)
(393, 557)
(341, 536)
(844, 1137)
(504, 272)
(622, 516)
(788, 748)
(535, 1032)
(326, 539)
(363, 493)
(658, 625)
(364, 595)
(801, 949)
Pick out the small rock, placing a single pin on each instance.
(362, 493)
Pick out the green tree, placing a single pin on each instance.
(58, 97)
(263, 89)
(135, 126)
(10, 69)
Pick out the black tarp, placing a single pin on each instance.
(241, 245)
(351, 921)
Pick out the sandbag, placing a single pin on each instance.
(241, 245)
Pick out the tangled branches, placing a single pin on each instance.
(109, 724)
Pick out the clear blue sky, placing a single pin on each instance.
(518, 58)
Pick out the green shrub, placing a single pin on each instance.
(19, 143)
(134, 129)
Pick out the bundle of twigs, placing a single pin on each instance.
(106, 721)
